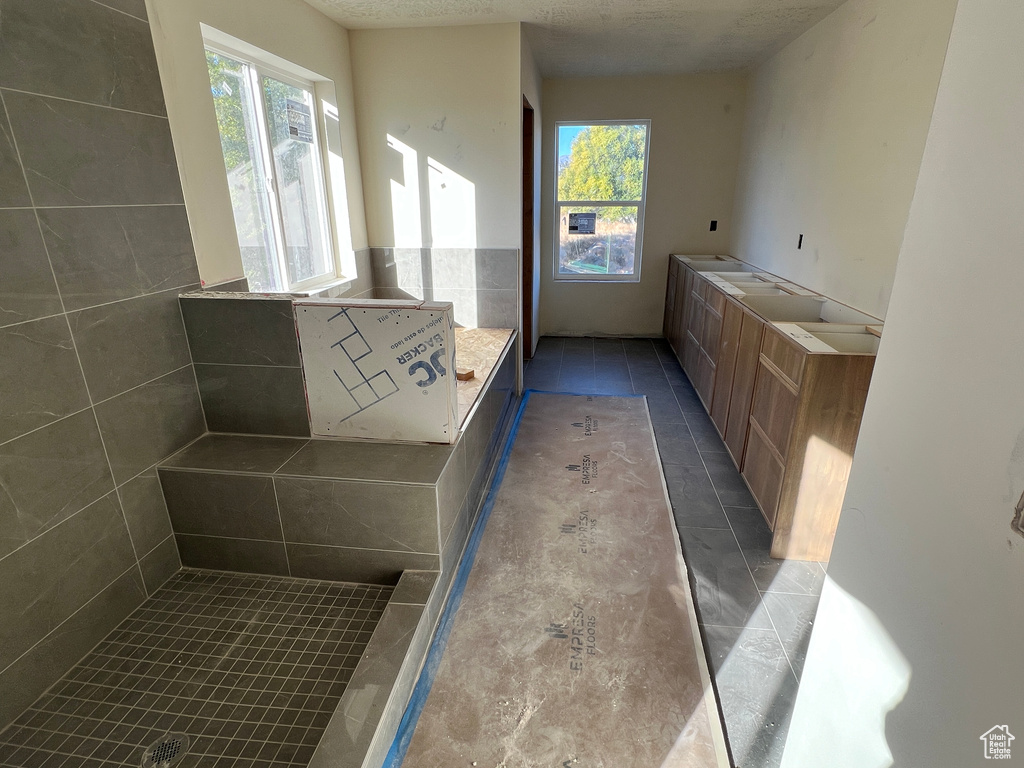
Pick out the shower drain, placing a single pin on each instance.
(166, 751)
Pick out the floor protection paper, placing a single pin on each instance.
(575, 643)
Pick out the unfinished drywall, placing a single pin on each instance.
(530, 82)
(926, 571)
(438, 111)
(696, 125)
(291, 30)
(836, 124)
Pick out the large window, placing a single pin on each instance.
(271, 139)
(599, 201)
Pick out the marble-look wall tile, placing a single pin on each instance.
(481, 283)
(25, 680)
(254, 399)
(236, 453)
(40, 378)
(49, 579)
(80, 50)
(233, 554)
(128, 343)
(366, 566)
(13, 190)
(414, 588)
(359, 460)
(451, 491)
(485, 308)
(82, 128)
(241, 285)
(78, 154)
(49, 475)
(241, 331)
(142, 500)
(145, 424)
(136, 8)
(215, 504)
(451, 552)
(472, 269)
(101, 255)
(497, 268)
(351, 514)
(160, 564)
(27, 290)
(349, 737)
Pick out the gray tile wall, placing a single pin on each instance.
(334, 509)
(246, 355)
(482, 283)
(319, 509)
(96, 384)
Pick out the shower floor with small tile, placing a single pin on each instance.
(249, 667)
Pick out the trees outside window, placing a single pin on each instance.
(270, 139)
(601, 178)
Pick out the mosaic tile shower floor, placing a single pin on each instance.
(249, 667)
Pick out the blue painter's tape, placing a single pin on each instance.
(400, 745)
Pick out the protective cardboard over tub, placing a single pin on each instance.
(381, 370)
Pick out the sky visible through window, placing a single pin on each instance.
(566, 134)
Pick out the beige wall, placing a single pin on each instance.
(530, 82)
(925, 543)
(836, 125)
(696, 124)
(290, 29)
(448, 96)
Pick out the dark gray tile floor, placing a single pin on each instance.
(250, 668)
(755, 612)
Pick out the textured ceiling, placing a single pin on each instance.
(589, 38)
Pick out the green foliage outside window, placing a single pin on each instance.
(606, 163)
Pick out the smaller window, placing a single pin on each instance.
(271, 140)
(599, 199)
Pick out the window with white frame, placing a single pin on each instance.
(271, 138)
(601, 183)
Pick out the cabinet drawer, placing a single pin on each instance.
(774, 407)
(763, 473)
(786, 357)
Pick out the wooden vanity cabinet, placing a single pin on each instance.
(804, 418)
(789, 417)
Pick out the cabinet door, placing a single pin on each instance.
(711, 333)
(774, 406)
(691, 357)
(725, 366)
(747, 351)
(705, 383)
(695, 318)
(763, 472)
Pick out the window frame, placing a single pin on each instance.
(260, 68)
(580, 277)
